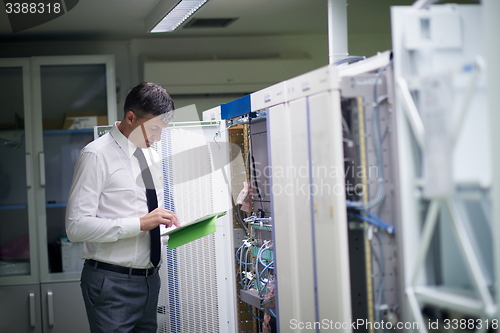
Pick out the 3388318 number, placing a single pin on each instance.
(32, 8)
(471, 324)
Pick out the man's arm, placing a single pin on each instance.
(82, 223)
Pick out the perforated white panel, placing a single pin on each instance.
(188, 297)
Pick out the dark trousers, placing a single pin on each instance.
(120, 303)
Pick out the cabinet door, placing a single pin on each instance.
(64, 87)
(63, 309)
(18, 261)
(20, 309)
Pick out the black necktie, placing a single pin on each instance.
(154, 234)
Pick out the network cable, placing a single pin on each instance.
(240, 261)
(261, 284)
(377, 143)
(272, 313)
(251, 312)
(244, 274)
(373, 219)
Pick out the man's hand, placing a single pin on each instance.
(157, 217)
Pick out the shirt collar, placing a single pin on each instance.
(125, 144)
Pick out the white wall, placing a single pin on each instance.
(129, 55)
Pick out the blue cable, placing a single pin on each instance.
(259, 256)
(268, 266)
(250, 310)
(390, 228)
(373, 216)
(237, 257)
(272, 313)
(375, 221)
(264, 283)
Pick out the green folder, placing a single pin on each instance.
(193, 230)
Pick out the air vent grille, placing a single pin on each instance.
(209, 23)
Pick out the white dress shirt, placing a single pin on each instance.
(107, 200)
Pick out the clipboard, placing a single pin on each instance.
(193, 230)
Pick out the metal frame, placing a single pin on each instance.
(491, 10)
(226, 279)
(361, 87)
(36, 63)
(411, 133)
(25, 64)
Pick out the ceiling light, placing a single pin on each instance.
(178, 15)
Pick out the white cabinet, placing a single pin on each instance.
(37, 158)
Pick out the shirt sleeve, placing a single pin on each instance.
(82, 221)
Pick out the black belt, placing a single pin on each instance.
(122, 269)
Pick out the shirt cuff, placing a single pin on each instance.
(130, 227)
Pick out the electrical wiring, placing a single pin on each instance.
(248, 284)
(260, 286)
(251, 278)
(268, 300)
(372, 219)
(373, 216)
(240, 261)
(240, 274)
(241, 257)
(251, 312)
(256, 267)
(263, 284)
(265, 246)
(269, 266)
(377, 143)
(264, 264)
(272, 313)
(219, 133)
(236, 213)
(253, 219)
(243, 285)
(236, 210)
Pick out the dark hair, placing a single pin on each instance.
(148, 98)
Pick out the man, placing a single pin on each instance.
(112, 208)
